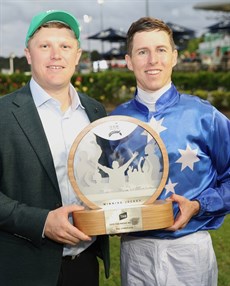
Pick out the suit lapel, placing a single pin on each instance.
(27, 117)
(93, 109)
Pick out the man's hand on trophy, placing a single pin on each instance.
(188, 209)
(59, 229)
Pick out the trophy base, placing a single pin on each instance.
(122, 220)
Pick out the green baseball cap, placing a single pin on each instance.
(53, 16)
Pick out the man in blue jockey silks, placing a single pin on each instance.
(197, 139)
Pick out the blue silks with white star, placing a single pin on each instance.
(197, 139)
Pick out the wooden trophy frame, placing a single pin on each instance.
(117, 215)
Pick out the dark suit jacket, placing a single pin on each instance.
(28, 191)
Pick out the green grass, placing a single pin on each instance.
(221, 243)
(114, 279)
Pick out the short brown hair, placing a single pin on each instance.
(147, 24)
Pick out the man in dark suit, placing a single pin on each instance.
(39, 245)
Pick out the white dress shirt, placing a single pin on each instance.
(61, 129)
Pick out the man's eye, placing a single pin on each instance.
(142, 52)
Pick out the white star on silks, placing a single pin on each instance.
(188, 158)
(170, 187)
(156, 126)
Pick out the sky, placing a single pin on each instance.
(15, 17)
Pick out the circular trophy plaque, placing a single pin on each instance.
(118, 167)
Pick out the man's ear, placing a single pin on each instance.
(79, 52)
(27, 54)
(129, 62)
(175, 56)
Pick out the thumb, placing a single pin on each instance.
(175, 198)
(73, 208)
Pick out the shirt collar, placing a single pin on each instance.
(40, 96)
(150, 98)
(169, 98)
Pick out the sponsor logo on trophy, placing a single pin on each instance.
(118, 167)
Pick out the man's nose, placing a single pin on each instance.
(153, 57)
(55, 53)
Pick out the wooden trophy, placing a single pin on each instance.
(118, 166)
